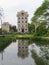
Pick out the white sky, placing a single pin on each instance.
(11, 7)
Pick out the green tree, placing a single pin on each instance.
(13, 28)
(42, 29)
(41, 14)
(31, 28)
(35, 23)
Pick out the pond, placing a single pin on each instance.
(24, 52)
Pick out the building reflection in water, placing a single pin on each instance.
(23, 48)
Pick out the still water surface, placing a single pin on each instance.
(23, 53)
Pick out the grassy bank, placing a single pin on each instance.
(4, 42)
(20, 36)
(25, 36)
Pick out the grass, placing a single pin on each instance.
(4, 42)
(20, 36)
(25, 36)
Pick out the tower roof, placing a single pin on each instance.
(22, 13)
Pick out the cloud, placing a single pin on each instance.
(11, 7)
(9, 3)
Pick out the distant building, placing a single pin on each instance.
(5, 26)
(22, 22)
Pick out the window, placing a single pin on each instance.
(22, 17)
(26, 47)
(25, 21)
(18, 21)
(22, 21)
(22, 14)
(19, 47)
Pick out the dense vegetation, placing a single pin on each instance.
(4, 42)
(39, 24)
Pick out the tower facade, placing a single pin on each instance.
(22, 18)
(6, 27)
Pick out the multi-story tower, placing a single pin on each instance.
(22, 22)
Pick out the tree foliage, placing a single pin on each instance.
(40, 18)
(31, 28)
(41, 11)
(13, 28)
(42, 29)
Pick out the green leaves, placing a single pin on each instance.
(41, 9)
(31, 28)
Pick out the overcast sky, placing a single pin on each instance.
(11, 7)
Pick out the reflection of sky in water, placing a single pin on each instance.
(10, 56)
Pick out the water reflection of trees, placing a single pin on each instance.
(45, 54)
(39, 41)
(23, 48)
(3, 46)
(43, 57)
